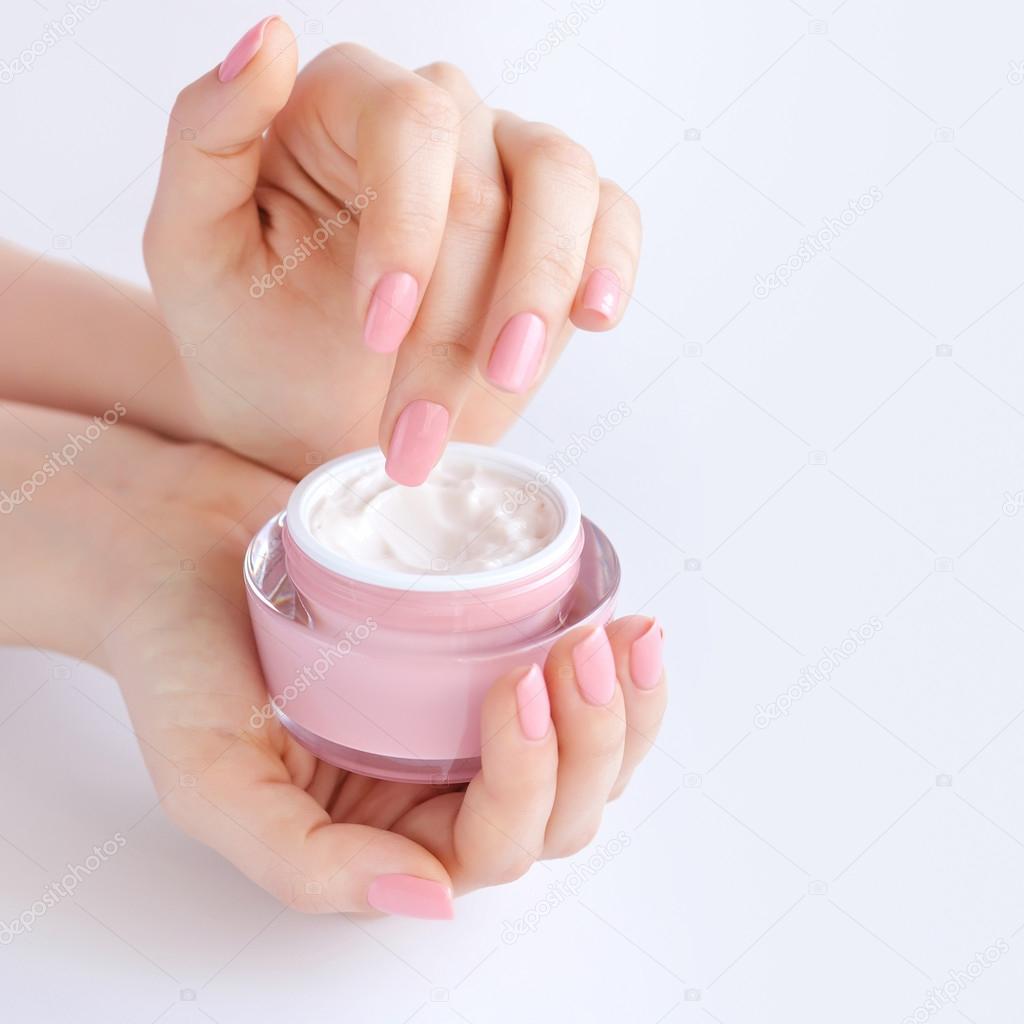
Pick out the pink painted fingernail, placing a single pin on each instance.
(416, 442)
(518, 353)
(602, 293)
(533, 704)
(411, 897)
(645, 657)
(391, 313)
(243, 51)
(595, 667)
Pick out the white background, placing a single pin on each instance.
(792, 466)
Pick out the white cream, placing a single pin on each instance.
(467, 517)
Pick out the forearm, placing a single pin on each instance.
(74, 340)
(94, 520)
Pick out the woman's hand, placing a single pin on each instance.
(557, 744)
(370, 254)
(130, 556)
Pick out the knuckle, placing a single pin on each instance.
(621, 200)
(514, 868)
(552, 147)
(184, 103)
(447, 76)
(560, 269)
(453, 354)
(327, 61)
(412, 221)
(478, 201)
(571, 842)
(428, 104)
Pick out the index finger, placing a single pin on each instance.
(402, 133)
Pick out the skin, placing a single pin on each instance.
(130, 559)
(492, 215)
(179, 642)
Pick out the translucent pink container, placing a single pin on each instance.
(383, 673)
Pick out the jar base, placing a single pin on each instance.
(389, 769)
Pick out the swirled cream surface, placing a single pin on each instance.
(466, 517)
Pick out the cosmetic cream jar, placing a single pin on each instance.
(378, 647)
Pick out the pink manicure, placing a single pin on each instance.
(518, 353)
(533, 704)
(602, 293)
(645, 657)
(595, 668)
(416, 442)
(411, 897)
(391, 313)
(243, 51)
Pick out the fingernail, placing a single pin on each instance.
(411, 897)
(416, 442)
(243, 51)
(533, 704)
(602, 293)
(391, 313)
(517, 353)
(595, 668)
(645, 657)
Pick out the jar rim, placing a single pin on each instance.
(554, 552)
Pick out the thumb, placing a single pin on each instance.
(204, 207)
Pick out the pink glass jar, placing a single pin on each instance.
(382, 672)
